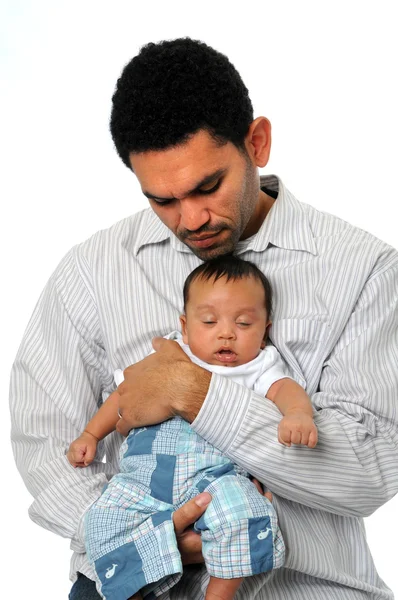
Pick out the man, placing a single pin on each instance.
(183, 122)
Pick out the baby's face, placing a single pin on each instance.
(225, 322)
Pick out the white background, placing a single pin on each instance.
(329, 86)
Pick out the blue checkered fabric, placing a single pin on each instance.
(130, 536)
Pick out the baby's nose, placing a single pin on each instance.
(227, 332)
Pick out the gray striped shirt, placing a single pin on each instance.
(335, 324)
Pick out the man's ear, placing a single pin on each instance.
(258, 141)
(267, 328)
(183, 321)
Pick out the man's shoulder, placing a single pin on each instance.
(330, 231)
(128, 234)
(104, 250)
(296, 225)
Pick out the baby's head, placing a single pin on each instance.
(227, 306)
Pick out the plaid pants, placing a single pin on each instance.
(130, 536)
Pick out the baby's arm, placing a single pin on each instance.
(297, 425)
(82, 451)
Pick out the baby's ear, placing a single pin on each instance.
(183, 321)
(267, 328)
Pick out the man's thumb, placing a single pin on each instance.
(157, 343)
(190, 512)
(203, 499)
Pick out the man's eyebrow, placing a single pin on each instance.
(201, 183)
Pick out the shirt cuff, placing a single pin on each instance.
(222, 413)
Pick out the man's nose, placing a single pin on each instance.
(192, 215)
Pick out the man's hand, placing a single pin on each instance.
(189, 542)
(260, 487)
(161, 386)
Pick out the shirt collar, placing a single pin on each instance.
(287, 223)
(152, 231)
(286, 226)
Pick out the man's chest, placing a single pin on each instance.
(142, 298)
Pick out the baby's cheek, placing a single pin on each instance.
(201, 349)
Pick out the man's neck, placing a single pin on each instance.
(262, 209)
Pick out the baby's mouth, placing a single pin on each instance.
(225, 355)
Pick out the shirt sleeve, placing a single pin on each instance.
(273, 369)
(57, 382)
(354, 468)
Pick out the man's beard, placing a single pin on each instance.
(249, 190)
(225, 246)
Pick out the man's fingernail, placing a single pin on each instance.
(203, 499)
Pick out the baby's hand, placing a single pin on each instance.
(297, 428)
(82, 451)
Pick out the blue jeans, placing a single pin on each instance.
(84, 589)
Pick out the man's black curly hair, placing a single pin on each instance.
(173, 89)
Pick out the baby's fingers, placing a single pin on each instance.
(305, 434)
(284, 434)
(75, 455)
(74, 461)
(313, 438)
(89, 455)
(296, 437)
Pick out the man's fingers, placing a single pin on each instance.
(171, 347)
(122, 428)
(190, 512)
(189, 542)
(136, 596)
(258, 485)
(260, 488)
(160, 342)
(190, 547)
(157, 343)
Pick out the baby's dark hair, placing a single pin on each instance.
(231, 267)
(173, 89)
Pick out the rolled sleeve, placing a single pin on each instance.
(210, 422)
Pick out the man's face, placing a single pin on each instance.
(226, 321)
(208, 196)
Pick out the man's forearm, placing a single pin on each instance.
(349, 473)
(195, 383)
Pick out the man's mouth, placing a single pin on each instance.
(203, 241)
